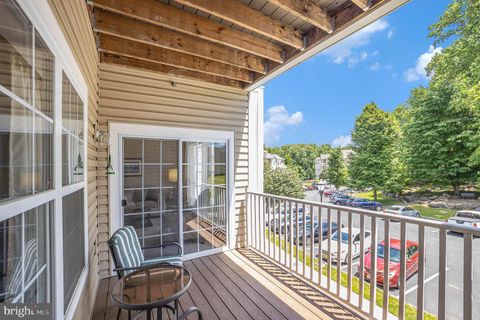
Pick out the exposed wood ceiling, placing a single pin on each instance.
(229, 42)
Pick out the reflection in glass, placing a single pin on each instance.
(43, 154)
(152, 200)
(16, 149)
(205, 240)
(16, 49)
(190, 242)
(152, 151)
(44, 84)
(190, 219)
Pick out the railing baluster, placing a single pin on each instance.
(421, 272)
(274, 227)
(297, 245)
(304, 228)
(361, 267)
(402, 278)
(329, 248)
(269, 227)
(320, 241)
(256, 206)
(373, 267)
(280, 228)
(339, 250)
(262, 227)
(290, 232)
(386, 267)
(442, 277)
(249, 219)
(349, 258)
(312, 242)
(467, 276)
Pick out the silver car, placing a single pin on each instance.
(465, 218)
(404, 211)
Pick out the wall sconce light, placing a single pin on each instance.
(109, 167)
(102, 137)
(78, 170)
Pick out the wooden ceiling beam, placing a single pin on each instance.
(168, 70)
(175, 59)
(135, 30)
(249, 18)
(362, 4)
(154, 12)
(307, 10)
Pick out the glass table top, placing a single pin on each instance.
(151, 287)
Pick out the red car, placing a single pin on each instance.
(394, 268)
(328, 192)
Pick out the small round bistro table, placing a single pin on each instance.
(152, 287)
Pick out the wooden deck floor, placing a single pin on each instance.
(241, 284)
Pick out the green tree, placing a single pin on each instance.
(336, 172)
(439, 138)
(282, 182)
(300, 157)
(373, 139)
(458, 66)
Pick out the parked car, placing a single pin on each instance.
(404, 211)
(343, 256)
(349, 202)
(366, 204)
(281, 222)
(465, 218)
(394, 268)
(340, 199)
(308, 232)
(328, 192)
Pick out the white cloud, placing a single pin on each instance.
(418, 72)
(278, 118)
(342, 141)
(345, 50)
(390, 34)
(375, 67)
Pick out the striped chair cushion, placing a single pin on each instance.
(126, 248)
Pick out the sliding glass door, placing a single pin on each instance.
(175, 190)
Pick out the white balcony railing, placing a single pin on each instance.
(292, 233)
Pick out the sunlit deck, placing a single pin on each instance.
(241, 285)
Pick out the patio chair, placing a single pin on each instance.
(128, 254)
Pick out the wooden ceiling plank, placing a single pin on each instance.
(131, 29)
(249, 18)
(169, 70)
(362, 4)
(154, 12)
(307, 10)
(146, 52)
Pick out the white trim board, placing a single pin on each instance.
(119, 130)
(381, 10)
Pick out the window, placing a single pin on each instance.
(29, 82)
(25, 266)
(26, 123)
(73, 243)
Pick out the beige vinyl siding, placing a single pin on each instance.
(138, 96)
(73, 18)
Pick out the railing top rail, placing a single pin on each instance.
(418, 221)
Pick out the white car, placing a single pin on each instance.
(404, 211)
(343, 257)
(465, 218)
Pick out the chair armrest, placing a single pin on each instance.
(189, 311)
(127, 269)
(163, 246)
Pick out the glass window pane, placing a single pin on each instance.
(205, 240)
(43, 154)
(133, 200)
(73, 242)
(190, 242)
(152, 151)
(15, 50)
(189, 175)
(44, 83)
(151, 201)
(151, 177)
(16, 149)
(169, 152)
(219, 153)
(190, 219)
(65, 159)
(189, 152)
(132, 149)
(151, 224)
(170, 176)
(24, 242)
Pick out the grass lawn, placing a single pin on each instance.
(386, 201)
(393, 303)
(434, 213)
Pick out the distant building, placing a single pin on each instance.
(321, 163)
(275, 160)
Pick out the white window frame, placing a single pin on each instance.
(43, 19)
(117, 131)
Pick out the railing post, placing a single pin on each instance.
(467, 276)
(248, 219)
(442, 277)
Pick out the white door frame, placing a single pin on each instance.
(119, 130)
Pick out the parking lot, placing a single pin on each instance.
(454, 264)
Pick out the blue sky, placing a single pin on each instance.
(317, 101)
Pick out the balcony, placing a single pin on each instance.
(279, 276)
